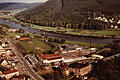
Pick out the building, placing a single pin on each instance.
(8, 52)
(23, 39)
(50, 58)
(18, 37)
(2, 51)
(97, 56)
(79, 69)
(93, 49)
(10, 73)
(3, 62)
(12, 30)
(68, 48)
(4, 45)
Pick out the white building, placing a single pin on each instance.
(8, 52)
(17, 37)
(4, 45)
(97, 56)
(118, 22)
(74, 59)
(92, 49)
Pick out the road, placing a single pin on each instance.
(28, 68)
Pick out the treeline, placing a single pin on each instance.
(70, 14)
(84, 24)
(3, 30)
(109, 67)
(114, 48)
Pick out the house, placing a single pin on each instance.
(3, 62)
(4, 45)
(18, 37)
(79, 69)
(8, 52)
(50, 58)
(10, 73)
(93, 49)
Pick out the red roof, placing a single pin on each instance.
(49, 56)
(59, 57)
(10, 71)
(21, 39)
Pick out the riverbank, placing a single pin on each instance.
(55, 35)
(114, 34)
(78, 32)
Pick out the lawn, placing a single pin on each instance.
(35, 46)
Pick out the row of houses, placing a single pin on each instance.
(10, 73)
(4, 49)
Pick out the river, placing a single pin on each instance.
(58, 36)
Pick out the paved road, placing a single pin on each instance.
(24, 62)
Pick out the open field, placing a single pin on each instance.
(35, 46)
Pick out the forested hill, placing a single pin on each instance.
(12, 6)
(61, 12)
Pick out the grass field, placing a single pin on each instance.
(35, 46)
(96, 33)
(80, 32)
(96, 45)
(21, 34)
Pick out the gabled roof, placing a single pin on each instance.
(49, 56)
(2, 60)
(59, 57)
(21, 39)
(9, 71)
